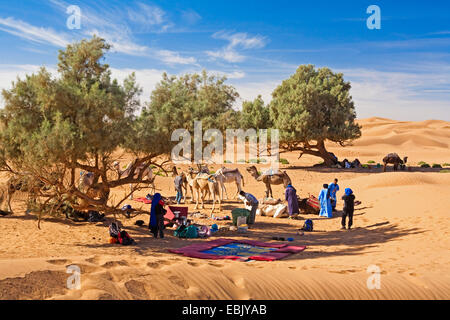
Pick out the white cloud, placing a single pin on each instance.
(190, 16)
(29, 32)
(117, 25)
(401, 95)
(236, 41)
(149, 18)
(172, 57)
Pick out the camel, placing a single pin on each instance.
(225, 175)
(23, 183)
(394, 159)
(147, 173)
(201, 183)
(275, 179)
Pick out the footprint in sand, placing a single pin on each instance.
(93, 260)
(112, 264)
(136, 289)
(194, 264)
(87, 269)
(217, 265)
(239, 282)
(293, 268)
(58, 261)
(179, 282)
(158, 264)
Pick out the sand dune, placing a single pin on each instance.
(401, 226)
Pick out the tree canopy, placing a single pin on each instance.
(53, 127)
(255, 114)
(312, 106)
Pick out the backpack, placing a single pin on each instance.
(124, 238)
(114, 230)
(190, 232)
(308, 226)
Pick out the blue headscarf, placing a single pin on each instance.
(155, 201)
(348, 191)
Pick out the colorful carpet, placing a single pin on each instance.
(238, 250)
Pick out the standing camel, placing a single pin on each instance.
(394, 159)
(275, 179)
(23, 183)
(224, 175)
(147, 172)
(203, 183)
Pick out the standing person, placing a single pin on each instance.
(157, 213)
(334, 188)
(325, 203)
(349, 207)
(179, 188)
(291, 198)
(253, 202)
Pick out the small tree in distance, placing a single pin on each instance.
(311, 107)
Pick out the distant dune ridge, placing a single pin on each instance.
(402, 227)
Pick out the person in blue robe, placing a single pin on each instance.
(334, 188)
(325, 203)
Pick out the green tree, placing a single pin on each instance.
(255, 114)
(311, 107)
(54, 127)
(177, 102)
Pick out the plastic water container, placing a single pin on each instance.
(241, 221)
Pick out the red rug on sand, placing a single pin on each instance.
(183, 211)
(238, 250)
(143, 200)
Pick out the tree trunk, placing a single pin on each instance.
(325, 155)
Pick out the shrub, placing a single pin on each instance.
(421, 163)
(437, 165)
(446, 164)
(284, 161)
(425, 165)
(365, 166)
(371, 162)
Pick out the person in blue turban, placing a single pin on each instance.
(157, 213)
(334, 188)
(349, 208)
(325, 203)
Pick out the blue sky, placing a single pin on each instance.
(401, 71)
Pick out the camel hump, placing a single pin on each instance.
(391, 157)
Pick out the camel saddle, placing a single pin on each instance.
(205, 176)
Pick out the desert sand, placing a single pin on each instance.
(401, 227)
